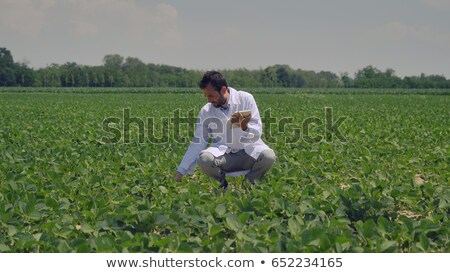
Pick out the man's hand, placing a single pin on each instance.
(177, 176)
(241, 121)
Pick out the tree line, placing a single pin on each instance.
(117, 71)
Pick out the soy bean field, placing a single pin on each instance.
(357, 170)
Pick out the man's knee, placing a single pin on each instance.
(267, 158)
(205, 159)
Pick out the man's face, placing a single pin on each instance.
(217, 99)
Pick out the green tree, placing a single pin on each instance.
(134, 70)
(368, 77)
(7, 68)
(113, 70)
(328, 79)
(310, 78)
(282, 72)
(24, 75)
(372, 77)
(390, 80)
(269, 77)
(346, 80)
(72, 75)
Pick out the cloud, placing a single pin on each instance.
(165, 17)
(438, 4)
(107, 19)
(126, 19)
(26, 17)
(400, 31)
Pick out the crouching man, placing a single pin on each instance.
(231, 118)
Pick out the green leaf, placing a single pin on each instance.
(384, 224)
(37, 236)
(86, 228)
(388, 246)
(220, 209)
(424, 242)
(233, 222)
(214, 229)
(35, 215)
(293, 227)
(408, 223)
(12, 230)
(369, 228)
(243, 217)
(4, 248)
(163, 189)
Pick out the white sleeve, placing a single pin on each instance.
(198, 143)
(254, 130)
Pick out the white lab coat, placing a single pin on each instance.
(226, 137)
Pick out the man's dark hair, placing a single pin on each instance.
(215, 79)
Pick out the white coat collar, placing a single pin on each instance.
(231, 104)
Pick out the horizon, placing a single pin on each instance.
(250, 69)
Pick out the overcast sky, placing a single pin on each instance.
(409, 36)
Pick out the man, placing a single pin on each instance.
(236, 139)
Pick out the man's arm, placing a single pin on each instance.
(251, 127)
(198, 143)
(254, 125)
